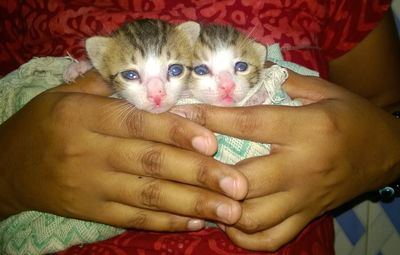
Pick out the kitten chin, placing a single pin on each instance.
(226, 65)
(146, 61)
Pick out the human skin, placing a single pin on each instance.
(337, 146)
(314, 166)
(73, 152)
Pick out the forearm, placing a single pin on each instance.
(371, 68)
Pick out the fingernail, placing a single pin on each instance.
(221, 226)
(200, 144)
(227, 184)
(195, 224)
(228, 213)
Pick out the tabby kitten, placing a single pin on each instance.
(146, 61)
(226, 65)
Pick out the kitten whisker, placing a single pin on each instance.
(247, 37)
(118, 108)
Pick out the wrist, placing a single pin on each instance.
(392, 190)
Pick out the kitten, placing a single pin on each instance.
(226, 65)
(146, 61)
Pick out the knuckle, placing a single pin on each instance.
(69, 150)
(151, 161)
(151, 194)
(138, 220)
(63, 112)
(245, 123)
(178, 133)
(327, 122)
(63, 115)
(175, 223)
(68, 183)
(323, 166)
(203, 173)
(249, 223)
(200, 207)
(198, 115)
(211, 174)
(135, 123)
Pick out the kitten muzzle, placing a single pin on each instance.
(155, 90)
(226, 86)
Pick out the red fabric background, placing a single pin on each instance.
(309, 32)
(316, 239)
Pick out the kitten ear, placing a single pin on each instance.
(95, 48)
(191, 29)
(261, 51)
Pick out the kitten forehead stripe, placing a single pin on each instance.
(148, 36)
(215, 36)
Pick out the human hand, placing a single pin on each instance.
(334, 148)
(73, 152)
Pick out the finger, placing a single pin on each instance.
(271, 239)
(161, 161)
(165, 128)
(115, 117)
(266, 123)
(266, 212)
(124, 216)
(90, 83)
(277, 174)
(309, 89)
(176, 198)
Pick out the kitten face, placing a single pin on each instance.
(226, 64)
(146, 61)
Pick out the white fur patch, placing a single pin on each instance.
(153, 67)
(222, 60)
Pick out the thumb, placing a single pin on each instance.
(90, 83)
(309, 89)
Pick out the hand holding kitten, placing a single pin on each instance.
(319, 159)
(97, 158)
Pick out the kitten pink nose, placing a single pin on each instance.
(155, 90)
(225, 82)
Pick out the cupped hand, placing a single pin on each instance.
(74, 152)
(324, 153)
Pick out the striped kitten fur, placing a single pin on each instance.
(226, 64)
(146, 61)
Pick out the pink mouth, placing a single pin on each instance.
(159, 108)
(226, 100)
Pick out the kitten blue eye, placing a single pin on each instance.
(130, 75)
(241, 66)
(175, 70)
(201, 70)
